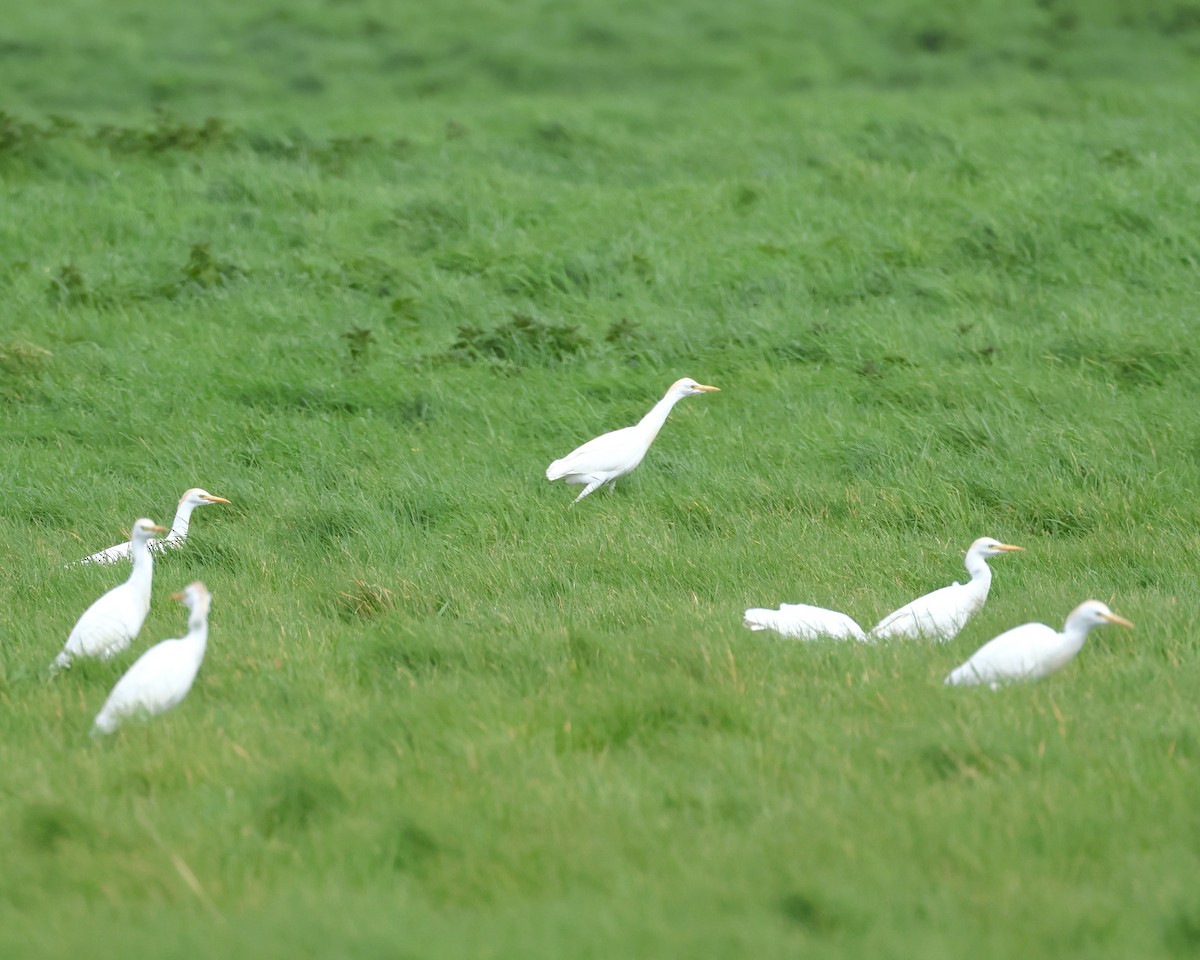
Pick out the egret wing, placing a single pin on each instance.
(940, 614)
(603, 454)
(157, 681)
(805, 622)
(107, 627)
(122, 551)
(1010, 656)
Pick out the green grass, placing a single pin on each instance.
(366, 270)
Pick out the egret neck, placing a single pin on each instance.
(1074, 635)
(197, 635)
(653, 421)
(981, 575)
(183, 517)
(143, 563)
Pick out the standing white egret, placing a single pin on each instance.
(162, 676)
(109, 625)
(803, 622)
(941, 614)
(1033, 650)
(190, 500)
(612, 455)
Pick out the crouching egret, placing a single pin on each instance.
(1033, 650)
(941, 614)
(190, 500)
(803, 622)
(612, 455)
(162, 676)
(109, 625)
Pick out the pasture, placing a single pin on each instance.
(364, 269)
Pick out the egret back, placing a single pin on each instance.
(158, 681)
(112, 555)
(110, 624)
(939, 615)
(610, 454)
(805, 622)
(123, 551)
(1019, 653)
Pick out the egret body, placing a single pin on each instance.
(804, 622)
(941, 614)
(190, 500)
(612, 455)
(110, 624)
(1033, 650)
(162, 676)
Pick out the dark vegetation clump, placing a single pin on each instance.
(20, 358)
(519, 341)
(68, 288)
(524, 341)
(166, 134)
(364, 601)
(297, 801)
(202, 272)
(163, 134)
(358, 345)
(17, 135)
(627, 337)
(369, 275)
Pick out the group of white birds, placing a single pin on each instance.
(162, 676)
(1027, 652)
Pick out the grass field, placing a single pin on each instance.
(365, 269)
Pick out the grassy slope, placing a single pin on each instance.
(943, 263)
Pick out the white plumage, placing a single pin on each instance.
(1033, 650)
(804, 622)
(110, 624)
(190, 500)
(612, 455)
(941, 614)
(162, 676)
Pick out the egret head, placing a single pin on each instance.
(987, 547)
(1093, 613)
(145, 529)
(199, 498)
(194, 596)
(687, 387)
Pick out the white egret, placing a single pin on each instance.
(109, 625)
(941, 614)
(1033, 650)
(162, 676)
(190, 500)
(612, 455)
(804, 622)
